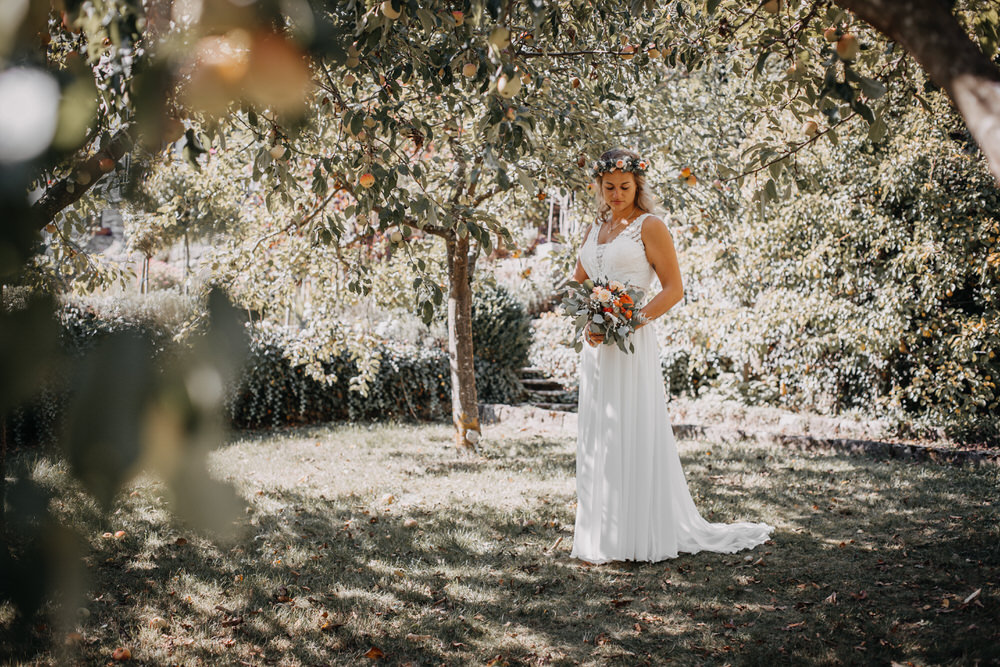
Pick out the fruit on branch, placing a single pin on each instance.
(500, 37)
(847, 46)
(388, 11)
(508, 87)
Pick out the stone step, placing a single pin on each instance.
(555, 407)
(552, 393)
(532, 372)
(539, 384)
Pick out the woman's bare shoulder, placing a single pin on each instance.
(654, 226)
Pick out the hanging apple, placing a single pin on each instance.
(500, 37)
(847, 46)
(508, 87)
(388, 11)
(367, 180)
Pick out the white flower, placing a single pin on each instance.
(616, 286)
(604, 295)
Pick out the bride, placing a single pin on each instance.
(633, 501)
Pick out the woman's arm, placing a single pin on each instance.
(662, 256)
(579, 275)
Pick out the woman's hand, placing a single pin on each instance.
(593, 338)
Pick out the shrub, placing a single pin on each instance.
(411, 383)
(501, 338)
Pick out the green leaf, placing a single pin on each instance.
(759, 66)
(877, 130)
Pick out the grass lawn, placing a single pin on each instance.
(872, 561)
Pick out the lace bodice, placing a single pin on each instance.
(622, 258)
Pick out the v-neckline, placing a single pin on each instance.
(615, 238)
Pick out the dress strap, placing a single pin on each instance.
(634, 230)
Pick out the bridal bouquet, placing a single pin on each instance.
(606, 307)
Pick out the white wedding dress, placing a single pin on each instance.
(633, 501)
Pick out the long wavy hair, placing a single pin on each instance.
(643, 197)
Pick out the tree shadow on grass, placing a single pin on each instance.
(324, 580)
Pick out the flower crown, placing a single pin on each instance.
(627, 163)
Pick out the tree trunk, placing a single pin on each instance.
(930, 33)
(187, 262)
(3, 456)
(67, 191)
(464, 402)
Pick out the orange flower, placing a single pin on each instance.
(628, 314)
(626, 298)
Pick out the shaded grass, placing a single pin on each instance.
(870, 561)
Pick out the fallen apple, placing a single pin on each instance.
(469, 70)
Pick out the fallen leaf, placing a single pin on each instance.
(417, 638)
(73, 638)
(410, 523)
(180, 541)
(121, 654)
(158, 622)
(374, 653)
(831, 598)
(973, 596)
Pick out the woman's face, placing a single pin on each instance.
(618, 188)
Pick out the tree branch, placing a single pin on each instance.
(83, 177)
(931, 34)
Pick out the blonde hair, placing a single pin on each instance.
(643, 197)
